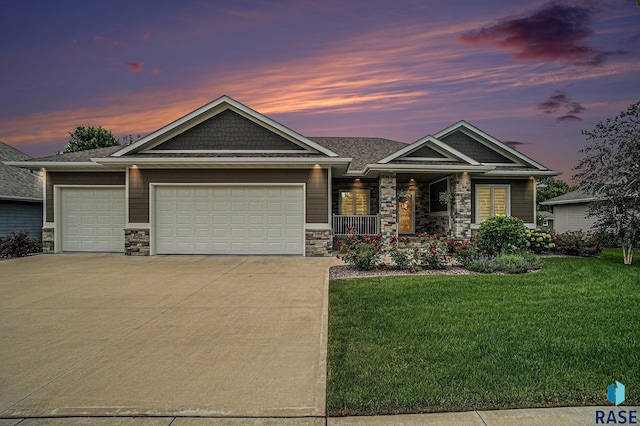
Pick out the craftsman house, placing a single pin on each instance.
(225, 179)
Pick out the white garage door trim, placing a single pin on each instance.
(153, 208)
(117, 242)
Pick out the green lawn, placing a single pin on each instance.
(451, 343)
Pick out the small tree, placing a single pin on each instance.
(89, 137)
(610, 171)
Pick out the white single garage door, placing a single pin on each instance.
(229, 219)
(93, 219)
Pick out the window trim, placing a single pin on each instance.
(355, 191)
(491, 186)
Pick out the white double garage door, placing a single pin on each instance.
(190, 219)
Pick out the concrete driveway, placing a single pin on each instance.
(107, 334)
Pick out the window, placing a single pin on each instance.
(355, 202)
(435, 206)
(492, 200)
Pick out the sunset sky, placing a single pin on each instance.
(532, 73)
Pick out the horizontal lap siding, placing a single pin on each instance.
(316, 180)
(78, 178)
(16, 216)
(521, 197)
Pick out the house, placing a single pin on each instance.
(545, 220)
(20, 195)
(570, 211)
(225, 179)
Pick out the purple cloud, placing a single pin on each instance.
(560, 100)
(516, 144)
(555, 32)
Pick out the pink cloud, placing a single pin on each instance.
(135, 66)
(156, 70)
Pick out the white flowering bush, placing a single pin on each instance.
(538, 241)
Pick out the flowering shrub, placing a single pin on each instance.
(502, 234)
(481, 263)
(538, 241)
(577, 243)
(402, 254)
(432, 252)
(462, 250)
(363, 252)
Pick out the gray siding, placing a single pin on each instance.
(521, 197)
(474, 149)
(316, 179)
(16, 216)
(426, 152)
(78, 178)
(228, 131)
(572, 217)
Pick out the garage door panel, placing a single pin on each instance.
(230, 220)
(92, 219)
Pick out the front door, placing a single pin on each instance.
(406, 209)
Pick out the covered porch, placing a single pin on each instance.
(403, 204)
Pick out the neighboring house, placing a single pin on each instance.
(226, 179)
(570, 211)
(547, 220)
(20, 195)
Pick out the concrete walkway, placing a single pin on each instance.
(107, 334)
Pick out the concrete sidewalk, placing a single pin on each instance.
(565, 416)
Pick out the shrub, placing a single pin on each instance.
(432, 252)
(18, 245)
(463, 250)
(402, 254)
(502, 234)
(537, 241)
(363, 252)
(481, 263)
(577, 243)
(516, 263)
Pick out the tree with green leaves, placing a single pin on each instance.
(549, 188)
(610, 171)
(89, 137)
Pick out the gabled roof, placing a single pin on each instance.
(212, 109)
(573, 197)
(446, 152)
(490, 142)
(16, 183)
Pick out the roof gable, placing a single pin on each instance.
(195, 133)
(476, 143)
(227, 131)
(428, 149)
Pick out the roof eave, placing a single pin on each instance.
(220, 161)
(577, 201)
(516, 173)
(17, 198)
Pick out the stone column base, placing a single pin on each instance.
(48, 241)
(136, 242)
(318, 243)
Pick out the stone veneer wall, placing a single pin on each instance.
(388, 205)
(48, 240)
(461, 206)
(136, 242)
(318, 243)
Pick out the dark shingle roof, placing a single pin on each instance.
(16, 182)
(82, 156)
(363, 150)
(570, 197)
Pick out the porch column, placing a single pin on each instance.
(461, 206)
(388, 208)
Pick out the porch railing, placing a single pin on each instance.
(363, 224)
